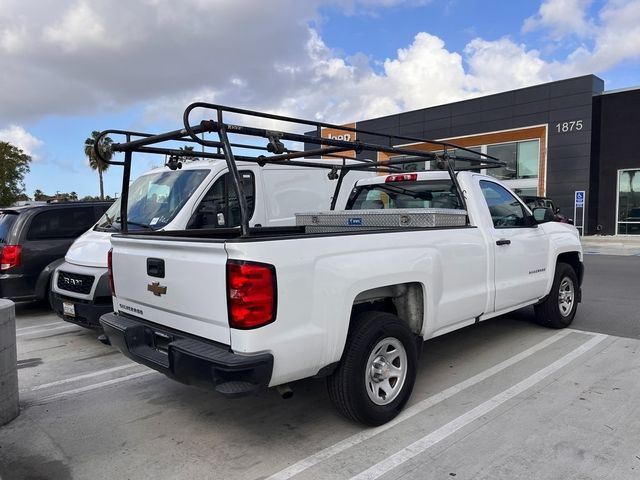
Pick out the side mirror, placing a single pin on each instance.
(558, 210)
(543, 214)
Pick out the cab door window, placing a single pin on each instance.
(220, 207)
(506, 211)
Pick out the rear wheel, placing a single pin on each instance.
(559, 307)
(378, 368)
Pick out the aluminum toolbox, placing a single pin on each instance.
(354, 220)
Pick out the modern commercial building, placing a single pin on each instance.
(557, 139)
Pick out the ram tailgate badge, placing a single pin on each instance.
(157, 289)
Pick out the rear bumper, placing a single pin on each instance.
(87, 314)
(186, 358)
(17, 286)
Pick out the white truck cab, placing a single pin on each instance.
(197, 196)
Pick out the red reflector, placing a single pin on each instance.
(402, 177)
(10, 257)
(112, 286)
(251, 294)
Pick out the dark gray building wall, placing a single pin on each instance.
(553, 104)
(618, 149)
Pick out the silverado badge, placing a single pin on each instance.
(157, 289)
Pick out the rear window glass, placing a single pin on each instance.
(6, 220)
(61, 223)
(417, 194)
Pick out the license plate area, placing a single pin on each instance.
(69, 309)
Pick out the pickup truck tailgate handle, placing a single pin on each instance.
(503, 241)
(155, 267)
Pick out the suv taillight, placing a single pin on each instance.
(251, 294)
(112, 286)
(10, 256)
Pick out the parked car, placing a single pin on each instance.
(545, 202)
(33, 241)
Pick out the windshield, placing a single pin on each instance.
(154, 200)
(6, 220)
(410, 194)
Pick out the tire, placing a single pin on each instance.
(378, 369)
(559, 307)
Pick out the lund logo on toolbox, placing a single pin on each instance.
(157, 289)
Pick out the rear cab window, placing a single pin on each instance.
(439, 193)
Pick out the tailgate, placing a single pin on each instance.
(175, 283)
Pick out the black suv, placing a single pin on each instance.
(34, 240)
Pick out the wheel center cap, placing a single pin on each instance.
(380, 369)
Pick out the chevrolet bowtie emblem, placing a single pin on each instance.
(157, 289)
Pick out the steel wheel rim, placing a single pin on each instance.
(386, 371)
(566, 296)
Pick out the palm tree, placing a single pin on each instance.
(94, 162)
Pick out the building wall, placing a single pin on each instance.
(554, 104)
(617, 149)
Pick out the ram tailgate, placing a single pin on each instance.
(178, 284)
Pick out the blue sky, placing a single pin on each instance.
(73, 66)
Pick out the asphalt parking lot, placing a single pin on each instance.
(502, 399)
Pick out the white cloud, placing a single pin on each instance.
(78, 57)
(19, 137)
(561, 17)
(79, 28)
(502, 65)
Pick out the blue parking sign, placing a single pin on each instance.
(579, 198)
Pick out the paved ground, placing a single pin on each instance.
(611, 245)
(505, 399)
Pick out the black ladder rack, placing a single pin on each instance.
(247, 124)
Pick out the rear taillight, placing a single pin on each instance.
(10, 257)
(112, 286)
(251, 294)
(402, 177)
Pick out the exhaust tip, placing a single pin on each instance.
(285, 391)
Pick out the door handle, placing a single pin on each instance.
(503, 241)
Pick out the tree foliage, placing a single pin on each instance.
(94, 161)
(14, 165)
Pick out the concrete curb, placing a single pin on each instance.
(9, 402)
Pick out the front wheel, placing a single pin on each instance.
(559, 307)
(378, 369)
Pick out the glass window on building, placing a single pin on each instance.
(521, 158)
(474, 154)
(629, 202)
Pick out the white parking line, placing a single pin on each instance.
(46, 330)
(40, 326)
(94, 386)
(419, 407)
(418, 447)
(79, 377)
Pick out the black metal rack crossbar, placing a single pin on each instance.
(398, 149)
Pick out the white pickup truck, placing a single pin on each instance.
(348, 295)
